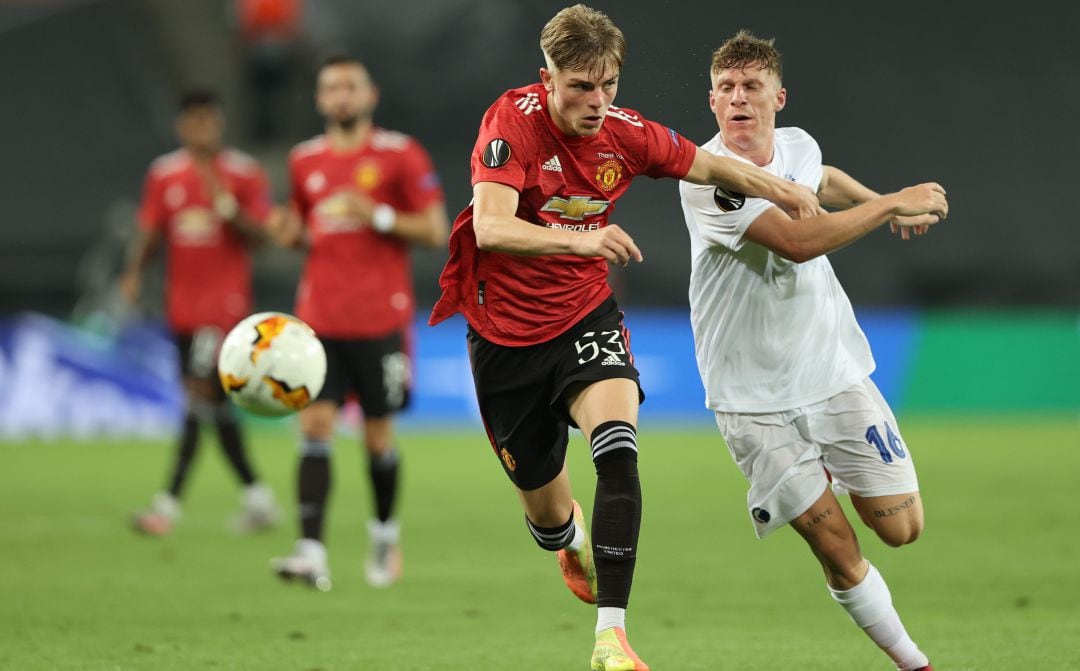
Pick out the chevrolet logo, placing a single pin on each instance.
(576, 208)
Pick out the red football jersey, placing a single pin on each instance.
(208, 265)
(357, 282)
(564, 182)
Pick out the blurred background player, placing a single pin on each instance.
(785, 365)
(360, 196)
(528, 269)
(207, 203)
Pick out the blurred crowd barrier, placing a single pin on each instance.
(61, 380)
(58, 379)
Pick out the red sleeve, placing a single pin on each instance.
(503, 147)
(254, 198)
(151, 214)
(669, 154)
(419, 183)
(296, 189)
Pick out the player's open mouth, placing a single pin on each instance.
(740, 117)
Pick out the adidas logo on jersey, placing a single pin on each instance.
(552, 164)
(529, 103)
(612, 360)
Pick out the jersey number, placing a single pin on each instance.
(873, 436)
(588, 348)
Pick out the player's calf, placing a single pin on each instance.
(616, 511)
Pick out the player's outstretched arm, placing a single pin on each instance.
(140, 250)
(428, 227)
(498, 229)
(228, 208)
(742, 177)
(805, 239)
(841, 191)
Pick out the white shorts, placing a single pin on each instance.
(790, 457)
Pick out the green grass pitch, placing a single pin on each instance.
(993, 584)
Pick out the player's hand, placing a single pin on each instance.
(610, 242)
(130, 286)
(915, 201)
(358, 206)
(222, 200)
(908, 226)
(282, 227)
(800, 202)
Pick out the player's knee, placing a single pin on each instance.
(614, 442)
(899, 533)
(614, 452)
(378, 438)
(317, 420)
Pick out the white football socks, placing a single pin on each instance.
(578, 540)
(870, 606)
(257, 496)
(166, 505)
(607, 617)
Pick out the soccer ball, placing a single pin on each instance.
(272, 364)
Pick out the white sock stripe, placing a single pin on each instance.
(312, 447)
(619, 436)
(620, 439)
(557, 538)
(627, 429)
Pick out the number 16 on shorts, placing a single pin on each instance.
(895, 445)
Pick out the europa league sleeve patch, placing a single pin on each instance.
(497, 153)
(726, 200)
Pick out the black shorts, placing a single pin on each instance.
(198, 355)
(377, 370)
(521, 390)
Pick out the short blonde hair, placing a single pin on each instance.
(581, 38)
(745, 50)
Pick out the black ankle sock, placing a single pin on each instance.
(313, 489)
(552, 538)
(186, 448)
(384, 470)
(232, 444)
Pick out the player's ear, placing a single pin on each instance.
(712, 101)
(546, 80)
(781, 99)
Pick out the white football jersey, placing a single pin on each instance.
(770, 334)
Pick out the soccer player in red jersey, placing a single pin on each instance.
(207, 204)
(361, 196)
(528, 269)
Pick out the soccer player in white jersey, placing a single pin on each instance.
(784, 363)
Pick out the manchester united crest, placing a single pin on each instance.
(367, 175)
(508, 459)
(609, 174)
